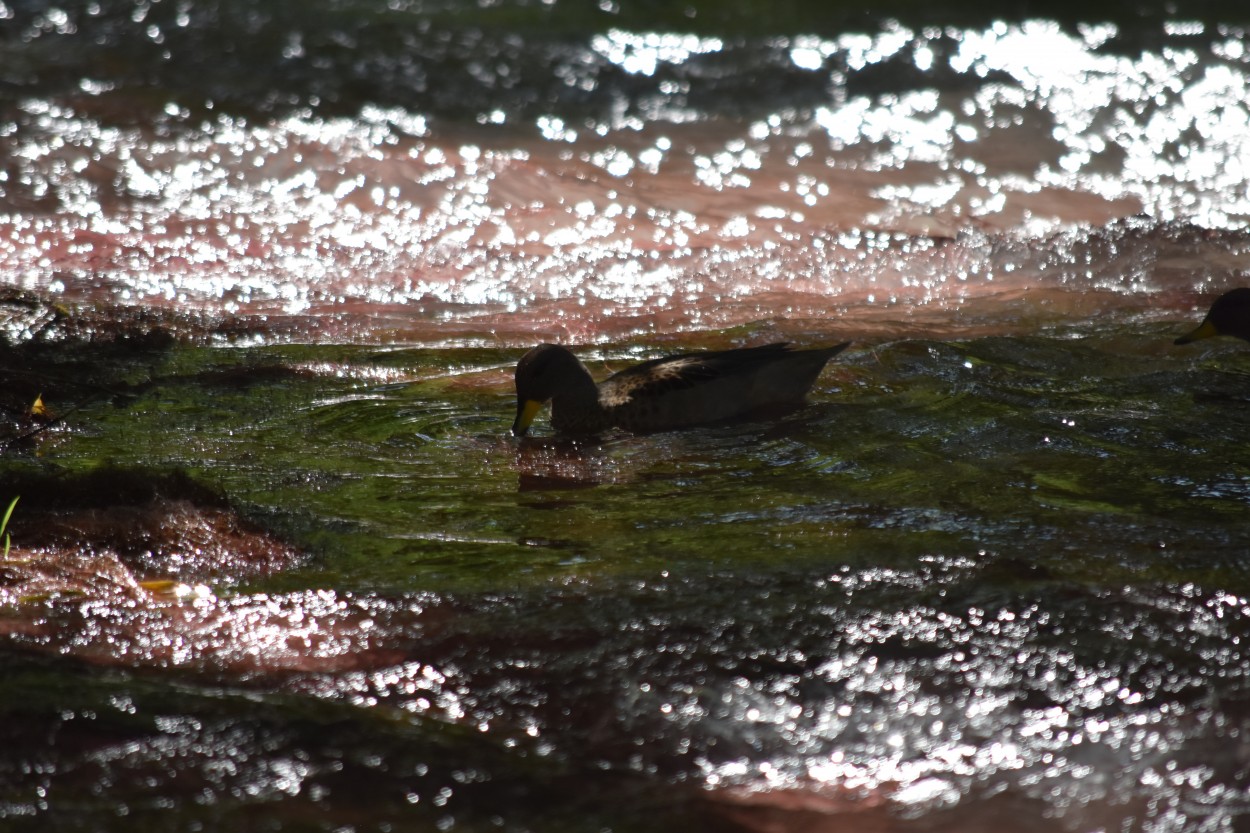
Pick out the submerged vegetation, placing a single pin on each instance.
(269, 269)
(1000, 525)
(4, 525)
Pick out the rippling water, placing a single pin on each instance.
(277, 565)
(672, 210)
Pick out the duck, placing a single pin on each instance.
(663, 394)
(1228, 316)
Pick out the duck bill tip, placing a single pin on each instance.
(525, 413)
(1204, 330)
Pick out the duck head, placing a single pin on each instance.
(541, 374)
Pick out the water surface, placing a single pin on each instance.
(277, 563)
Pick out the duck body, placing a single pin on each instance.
(673, 392)
(1229, 316)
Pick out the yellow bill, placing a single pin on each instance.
(525, 413)
(1204, 330)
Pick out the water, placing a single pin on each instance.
(277, 563)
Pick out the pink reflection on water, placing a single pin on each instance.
(915, 211)
(120, 585)
(384, 227)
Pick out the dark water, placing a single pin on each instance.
(277, 564)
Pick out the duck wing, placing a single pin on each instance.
(693, 388)
(687, 370)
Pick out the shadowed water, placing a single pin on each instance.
(278, 564)
(973, 577)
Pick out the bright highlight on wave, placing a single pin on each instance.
(1023, 131)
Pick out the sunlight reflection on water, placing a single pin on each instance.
(987, 177)
(1043, 130)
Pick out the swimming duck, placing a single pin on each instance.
(672, 392)
(1228, 316)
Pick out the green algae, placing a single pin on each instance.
(1083, 487)
(396, 470)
